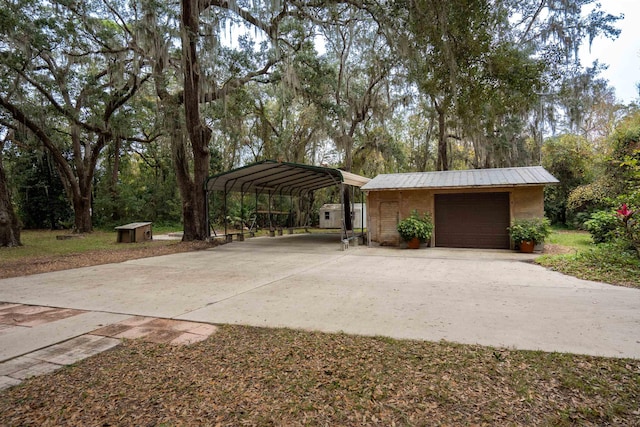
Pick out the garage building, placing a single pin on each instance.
(470, 208)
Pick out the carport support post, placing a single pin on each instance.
(368, 235)
(347, 209)
(352, 212)
(252, 232)
(344, 223)
(280, 227)
(362, 217)
(225, 209)
(206, 211)
(307, 219)
(290, 218)
(241, 235)
(272, 232)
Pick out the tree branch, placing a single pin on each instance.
(61, 161)
(271, 28)
(533, 20)
(233, 84)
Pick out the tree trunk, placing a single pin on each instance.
(347, 142)
(48, 168)
(192, 192)
(9, 223)
(186, 187)
(77, 183)
(79, 192)
(113, 184)
(82, 211)
(442, 161)
(346, 201)
(194, 202)
(443, 155)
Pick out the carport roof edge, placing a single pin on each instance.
(284, 177)
(471, 178)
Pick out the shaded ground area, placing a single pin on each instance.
(28, 266)
(258, 376)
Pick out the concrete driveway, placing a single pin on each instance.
(496, 298)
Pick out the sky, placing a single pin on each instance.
(622, 54)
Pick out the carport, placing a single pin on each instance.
(283, 179)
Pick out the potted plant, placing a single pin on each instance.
(526, 233)
(416, 229)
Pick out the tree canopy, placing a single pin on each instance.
(134, 104)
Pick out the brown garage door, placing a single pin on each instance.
(472, 220)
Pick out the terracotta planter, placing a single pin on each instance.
(413, 243)
(527, 247)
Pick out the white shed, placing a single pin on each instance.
(331, 215)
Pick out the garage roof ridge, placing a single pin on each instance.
(492, 177)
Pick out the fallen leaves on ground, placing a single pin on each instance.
(257, 376)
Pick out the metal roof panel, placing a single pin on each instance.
(288, 178)
(532, 175)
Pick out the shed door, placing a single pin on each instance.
(472, 220)
(388, 223)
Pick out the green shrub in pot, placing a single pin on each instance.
(416, 226)
(534, 230)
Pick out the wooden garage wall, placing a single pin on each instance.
(525, 202)
(382, 219)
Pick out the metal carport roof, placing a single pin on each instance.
(281, 177)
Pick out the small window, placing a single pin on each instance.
(327, 215)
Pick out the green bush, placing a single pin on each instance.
(620, 226)
(602, 226)
(614, 256)
(530, 230)
(416, 226)
(631, 198)
(570, 158)
(585, 200)
(607, 262)
(629, 227)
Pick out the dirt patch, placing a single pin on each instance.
(28, 266)
(550, 249)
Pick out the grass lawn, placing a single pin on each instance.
(39, 243)
(579, 240)
(42, 252)
(602, 263)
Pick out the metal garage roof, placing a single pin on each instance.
(503, 177)
(281, 177)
